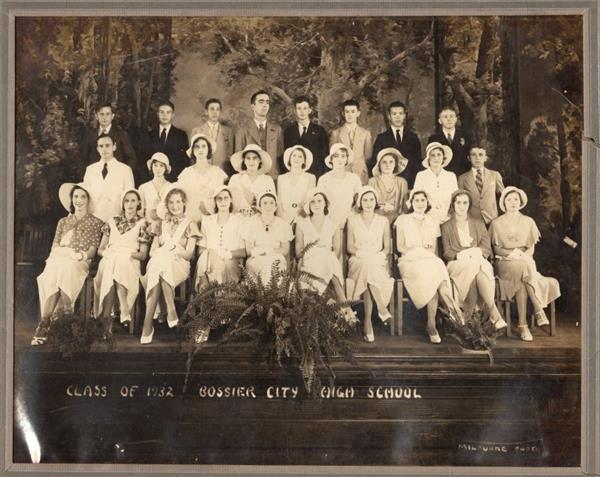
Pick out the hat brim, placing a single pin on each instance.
(287, 154)
(447, 156)
(401, 161)
(509, 190)
(150, 161)
(64, 195)
(334, 149)
(207, 206)
(309, 197)
(265, 160)
(213, 144)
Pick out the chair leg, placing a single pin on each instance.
(392, 307)
(399, 307)
(552, 319)
(507, 318)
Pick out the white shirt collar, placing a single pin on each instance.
(161, 127)
(102, 129)
(259, 123)
(474, 169)
(452, 132)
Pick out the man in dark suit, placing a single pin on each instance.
(399, 137)
(458, 141)
(308, 134)
(87, 147)
(168, 139)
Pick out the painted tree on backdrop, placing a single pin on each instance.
(331, 59)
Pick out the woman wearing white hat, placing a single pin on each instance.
(423, 272)
(267, 238)
(169, 265)
(221, 244)
(155, 190)
(293, 186)
(124, 245)
(75, 242)
(514, 236)
(252, 165)
(436, 181)
(341, 184)
(200, 180)
(392, 189)
(368, 268)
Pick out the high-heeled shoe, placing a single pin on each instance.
(147, 339)
(369, 337)
(541, 319)
(385, 316)
(173, 324)
(524, 333)
(434, 338)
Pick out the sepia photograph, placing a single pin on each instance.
(291, 240)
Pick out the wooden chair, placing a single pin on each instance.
(400, 297)
(35, 244)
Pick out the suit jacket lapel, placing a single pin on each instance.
(470, 181)
(253, 131)
(488, 179)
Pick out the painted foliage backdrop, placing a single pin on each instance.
(516, 82)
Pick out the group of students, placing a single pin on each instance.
(248, 216)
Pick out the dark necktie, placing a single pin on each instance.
(479, 180)
(102, 131)
(398, 137)
(262, 132)
(163, 135)
(104, 170)
(303, 131)
(449, 137)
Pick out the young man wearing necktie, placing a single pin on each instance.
(483, 184)
(305, 133)
(168, 139)
(107, 179)
(401, 138)
(450, 135)
(220, 133)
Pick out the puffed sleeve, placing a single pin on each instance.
(92, 232)
(192, 231)
(204, 226)
(106, 229)
(534, 234)
(60, 227)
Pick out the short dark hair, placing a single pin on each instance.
(359, 198)
(105, 105)
(260, 91)
(210, 151)
(351, 102)
(422, 192)
(72, 207)
(512, 192)
(166, 102)
(108, 135)
(230, 205)
(243, 164)
(448, 108)
(210, 101)
(476, 146)
(302, 99)
(267, 194)
(396, 104)
(325, 209)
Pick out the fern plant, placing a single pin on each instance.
(286, 318)
(69, 333)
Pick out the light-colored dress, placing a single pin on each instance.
(63, 273)
(439, 188)
(227, 236)
(395, 196)
(124, 238)
(369, 266)
(152, 196)
(290, 197)
(422, 270)
(320, 260)
(278, 232)
(340, 192)
(199, 187)
(165, 262)
(262, 183)
(513, 273)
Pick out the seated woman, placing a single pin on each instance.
(514, 236)
(170, 255)
(467, 248)
(267, 238)
(436, 181)
(322, 259)
(252, 165)
(340, 184)
(423, 272)
(293, 186)
(221, 243)
(392, 189)
(75, 242)
(200, 180)
(154, 191)
(369, 247)
(124, 245)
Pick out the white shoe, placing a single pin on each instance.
(173, 324)
(541, 319)
(369, 337)
(525, 333)
(500, 324)
(147, 339)
(435, 338)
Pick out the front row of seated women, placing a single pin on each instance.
(465, 282)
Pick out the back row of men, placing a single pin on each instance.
(172, 141)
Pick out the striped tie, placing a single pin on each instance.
(479, 180)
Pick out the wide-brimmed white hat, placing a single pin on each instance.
(195, 137)
(401, 161)
(287, 154)
(265, 159)
(262, 194)
(411, 195)
(207, 206)
(161, 209)
(362, 191)
(507, 191)
(64, 195)
(159, 157)
(435, 145)
(309, 197)
(335, 148)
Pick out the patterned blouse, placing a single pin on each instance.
(124, 225)
(84, 233)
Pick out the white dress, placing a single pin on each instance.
(320, 260)
(227, 236)
(439, 188)
(118, 266)
(199, 187)
(262, 183)
(291, 197)
(152, 196)
(422, 270)
(165, 263)
(340, 193)
(369, 266)
(256, 231)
